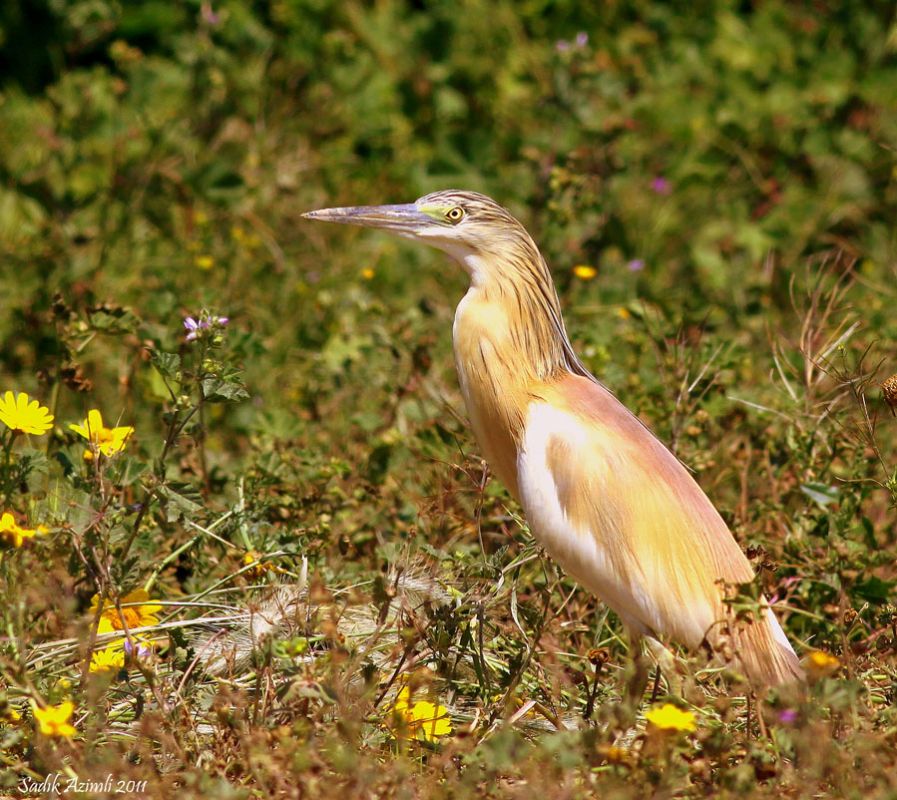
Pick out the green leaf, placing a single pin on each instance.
(224, 390)
(179, 500)
(68, 468)
(125, 470)
(378, 463)
(821, 494)
(112, 319)
(168, 364)
(875, 590)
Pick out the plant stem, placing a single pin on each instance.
(174, 430)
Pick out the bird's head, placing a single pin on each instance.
(470, 227)
(502, 260)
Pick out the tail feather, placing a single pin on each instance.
(763, 653)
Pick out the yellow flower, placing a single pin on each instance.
(13, 534)
(204, 262)
(121, 653)
(8, 714)
(143, 612)
(421, 720)
(21, 413)
(669, 718)
(260, 568)
(54, 720)
(822, 665)
(584, 272)
(111, 658)
(368, 274)
(612, 754)
(109, 441)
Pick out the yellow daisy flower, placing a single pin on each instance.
(137, 609)
(13, 534)
(820, 664)
(20, 413)
(54, 720)
(584, 272)
(109, 659)
(421, 720)
(109, 441)
(204, 262)
(670, 718)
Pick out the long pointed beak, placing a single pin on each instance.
(404, 220)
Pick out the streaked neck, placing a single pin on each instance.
(526, 326)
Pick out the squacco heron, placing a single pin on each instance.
(607, 500)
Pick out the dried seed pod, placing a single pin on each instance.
(889, 393)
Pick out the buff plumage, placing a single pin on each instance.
(608, 501)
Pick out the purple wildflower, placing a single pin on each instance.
(785, 585)
(209, 15)
(194, 327)
(660, 185)
(636, 265)
(788, 716)
(141, 650)
(580, 41)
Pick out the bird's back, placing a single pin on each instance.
(616, 508)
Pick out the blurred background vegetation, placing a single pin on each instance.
(726, 169)
(696, 155)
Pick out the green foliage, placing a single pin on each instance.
(728, 173)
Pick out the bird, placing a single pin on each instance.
(604, 497)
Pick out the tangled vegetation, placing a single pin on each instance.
(247, 545)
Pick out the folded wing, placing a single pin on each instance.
(622, 515)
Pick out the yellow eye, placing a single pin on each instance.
(455, 214)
